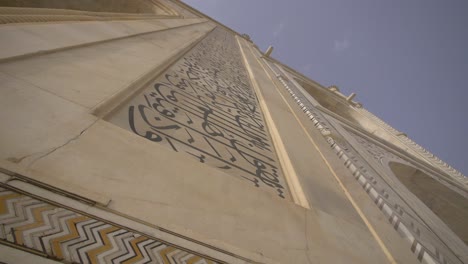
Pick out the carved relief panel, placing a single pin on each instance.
(404, 213)
(427, 246)
(205, 107)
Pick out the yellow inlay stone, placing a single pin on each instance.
(55, 243)
(4, 199)
(138, 254)
(92, 254)
(163, 253)
(39, 221)
(193, 260)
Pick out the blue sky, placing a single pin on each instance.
(406, 60)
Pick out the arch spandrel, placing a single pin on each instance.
(449, 206)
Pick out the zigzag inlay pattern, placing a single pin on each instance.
(75, 238)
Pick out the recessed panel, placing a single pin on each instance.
(448, 205)
(205, 107)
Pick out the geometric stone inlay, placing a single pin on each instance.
(75, 238)
(205, 107)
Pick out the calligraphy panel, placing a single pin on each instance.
(205, 107)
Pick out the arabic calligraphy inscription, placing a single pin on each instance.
(205, 107)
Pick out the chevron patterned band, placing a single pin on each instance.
(75, 238)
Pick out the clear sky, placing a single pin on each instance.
(407, 60)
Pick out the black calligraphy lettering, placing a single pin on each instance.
(208, 94)
(190, 140)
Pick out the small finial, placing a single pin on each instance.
(334, 88)
(268, 51)
(350, 97)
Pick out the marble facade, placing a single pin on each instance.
(148, 132)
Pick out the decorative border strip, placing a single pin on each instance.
(41, 15)
(63, 234)
(422, 253)
(5, 10)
